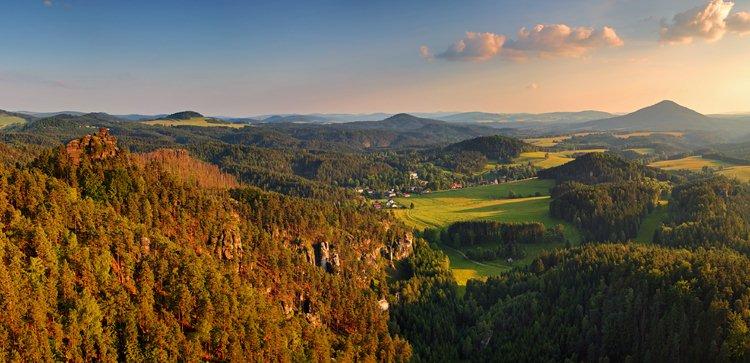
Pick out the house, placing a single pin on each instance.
(391, 204)
(413, 176)
(377, 205)
(456, 185)
(407, 195)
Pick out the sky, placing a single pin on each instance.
(243, 58)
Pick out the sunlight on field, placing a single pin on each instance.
(553, 140)
(741, 172)
(694, 163)
(6, 121)
(649, 133)
(642, 150)
(547, 141)
(195, 121)
(485, 203)
(544, 159)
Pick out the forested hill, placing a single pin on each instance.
(595, 168)
(615, 303)
(497, 147)
(107, 255)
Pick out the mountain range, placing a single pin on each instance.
(663, 116)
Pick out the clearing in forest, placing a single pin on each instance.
(489, 202)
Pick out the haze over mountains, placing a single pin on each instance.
(663, 116)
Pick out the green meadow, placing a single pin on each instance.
(490, 202)
(6, 121)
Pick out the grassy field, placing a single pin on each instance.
(697, 163)
(642, 150)
(195, 121)
(649, 133)
(652, 222)
(6, 121)
(694, 163)
(553, 140)
(741, 172)
(551, 159)
(485, 203)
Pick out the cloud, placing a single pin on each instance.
(475, 47)
(739, 23)
(425, 53)
(560, 40)
(47, 3)
(706, 22)
(545, 41)
(532, 86)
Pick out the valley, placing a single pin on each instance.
(320, 222)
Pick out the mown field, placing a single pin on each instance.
(195, 121)
(6, 121)
(694, 163)
(489, 202)
(649, 133)
(553, 140)
(544, 159)
(697, 163)
(741, 172)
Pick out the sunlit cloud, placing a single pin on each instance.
(47, 3)
(532, 86)
(560, 40)
(425, 53)
(541, 41)
(474, 47)
(709, 22)
(739, 23)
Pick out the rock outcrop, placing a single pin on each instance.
(227, 243)
(327, 257)
(99, 146)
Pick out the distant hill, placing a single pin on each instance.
(551, 117)
(496, 147)
(663, 116)
(50, 114)
(183, 115)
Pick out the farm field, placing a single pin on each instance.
(544, 159)
(553, 140)
(642, 151)
(6, 121)
(649, 133)
(485, 203)
(694, 163)
(195, 121)
(741, 172)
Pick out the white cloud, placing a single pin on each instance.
(475, 47)
(739, 23)
(560, 40)
(702, 22)
(532, 86)
(546, 41)
(47, 3)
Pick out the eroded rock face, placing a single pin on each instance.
(401, 248)
(227, 243)
(99, 146)
(328, 259)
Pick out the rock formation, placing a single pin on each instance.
(99, 146)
